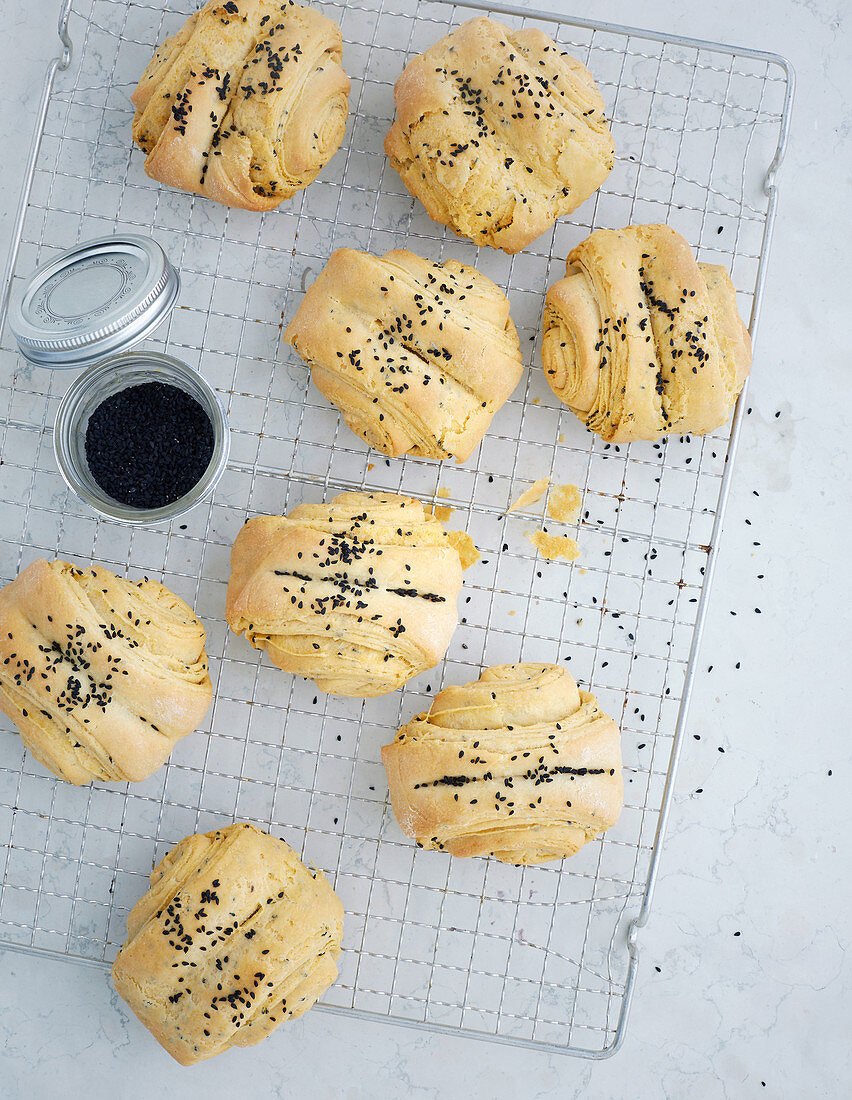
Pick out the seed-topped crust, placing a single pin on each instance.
(520, 765)
(234, 936)
(358, 594)
(640, 341)
(417, 356)
(101, 675)
(498, 133)
(245, 104)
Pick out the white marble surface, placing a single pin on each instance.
(763, 851)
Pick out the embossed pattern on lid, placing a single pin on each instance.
(93, 300)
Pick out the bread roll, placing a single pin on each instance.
(234, 936)
(640, 341)
(498, 133)
(358, 594)
(520, 765)
(101, 675)
(417, 356)
(245, 104)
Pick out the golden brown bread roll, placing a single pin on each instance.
(234, 936)
(245, 104)
(417, 356)
(640, 341)
(498, 133)
(102, 676)
(520, 765)
(358, 594)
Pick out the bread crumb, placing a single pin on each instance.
(536, 400)
(560, 439)
(530, 496)
(553, 546)
(463, 543)
(439, 511)
(564, 503)
(370, 466)
(444, 493)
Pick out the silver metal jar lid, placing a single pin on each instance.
(94, 300)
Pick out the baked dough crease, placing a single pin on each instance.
(499, 132)
(245, 104)
(640, 341)
(358, 594)
(234, 936)
(417, 356)
(101, 675)
(520, 765)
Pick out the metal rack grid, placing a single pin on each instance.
(542, 956)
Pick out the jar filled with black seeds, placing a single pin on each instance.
(149, 445)
(141, 437)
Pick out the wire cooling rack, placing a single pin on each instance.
(543, 956)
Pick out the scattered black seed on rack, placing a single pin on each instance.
(148, 445)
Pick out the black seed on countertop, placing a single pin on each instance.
(148, 445)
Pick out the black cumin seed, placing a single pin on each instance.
(148, 445)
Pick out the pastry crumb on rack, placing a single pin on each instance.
(564, 503)
(440, 511)
(530, 496)
(464, 544)
(553, 547)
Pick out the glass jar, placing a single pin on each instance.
(108, 377)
